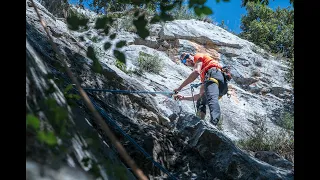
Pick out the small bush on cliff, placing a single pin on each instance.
(184, 12)
(261, 139)
(288, 121)
(149, 63)
(121, 66)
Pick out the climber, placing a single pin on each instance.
(212, 78)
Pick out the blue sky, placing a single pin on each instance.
(231, 11)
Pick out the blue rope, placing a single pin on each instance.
(105, 115)
(168, 93)
(129, 92)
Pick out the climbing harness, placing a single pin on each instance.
(214, 80)
(193, 86)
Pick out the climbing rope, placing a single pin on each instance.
(129, 92)
(195, 109)
(168, 93)
(110, 120)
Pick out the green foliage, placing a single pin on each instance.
(94, 170)
(107, 45)
(199, 7)
(33, 122)
(223, 25)
(103, 22)
(184, 12)
(120, 44)
(290, 74)
(96, 66)
(271, 30)
(292, 2)
(47, 137)
(94, 39)
(76, 20)
(119, 55)
(122, 67)
(86, 161)
(261, 140)
(112, 36)
(114, 169)
(126, 23)
(120, 172)
(149, 63)
(57, 116)
(140, 20)
(106, 6)
(68, 88)
(140, 24)
(287, 121)
(263, 2)
(51, 88)
(70, 97)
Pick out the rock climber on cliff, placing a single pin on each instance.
(214, 83)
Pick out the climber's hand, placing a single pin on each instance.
(229, 94)
(178, 97)
(176, 90)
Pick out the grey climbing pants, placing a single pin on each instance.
(212, 93)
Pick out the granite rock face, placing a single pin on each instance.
(186, 146)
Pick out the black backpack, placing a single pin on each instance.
(223, 88)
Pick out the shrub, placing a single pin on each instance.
(121, 65)
(261, 140)
(126, 23)
(287, 121)
(94, 39)
(185, 13)
(56, 7)
(76, 20)
(149, 63)
(290, 74)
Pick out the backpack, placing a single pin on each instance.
(223, 88)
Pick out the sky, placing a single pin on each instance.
(230, 12)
